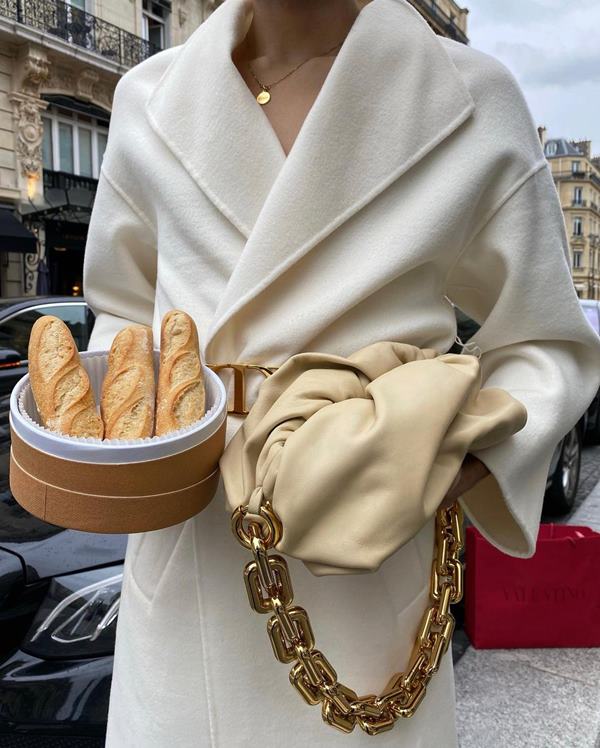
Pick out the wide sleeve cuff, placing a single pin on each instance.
(514, 280)
(505, 506)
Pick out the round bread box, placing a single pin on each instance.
(113, 486)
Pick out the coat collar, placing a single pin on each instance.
(391, 95)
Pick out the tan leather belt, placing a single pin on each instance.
(239, 383)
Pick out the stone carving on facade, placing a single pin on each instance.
(28, 131)
(34, 71)
(30, 74)
(90, 87)
(37, 73)
(182, 13)
(85, 84)
(62, 79)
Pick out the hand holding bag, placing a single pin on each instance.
(341, 461)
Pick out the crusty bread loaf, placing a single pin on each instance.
(180, 397)
(60, 385)
(129, 389)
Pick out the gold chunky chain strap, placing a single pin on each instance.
(270, 591)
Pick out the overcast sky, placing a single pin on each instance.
(553, 49)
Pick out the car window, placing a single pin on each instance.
(15, 331)
(90, 318)
(74, 316)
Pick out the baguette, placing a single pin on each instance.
(60, 384)
(180, 398)
(128, 390)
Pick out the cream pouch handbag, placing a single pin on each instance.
(341, 461)
(355, 454)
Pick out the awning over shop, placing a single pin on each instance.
(14, 237)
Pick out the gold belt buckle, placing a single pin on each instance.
(239, 383)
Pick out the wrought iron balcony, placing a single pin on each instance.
(63, 180)
(566, 174)
(80, 28)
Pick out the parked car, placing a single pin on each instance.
(591, 309)
(59, 589)
(16, 320)
(565, 465)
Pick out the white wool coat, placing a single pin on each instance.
(417, 177)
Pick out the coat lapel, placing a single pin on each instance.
(391, 95)
(203, 110)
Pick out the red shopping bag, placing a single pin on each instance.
(549, 600)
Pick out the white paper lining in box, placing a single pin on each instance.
(25, 420)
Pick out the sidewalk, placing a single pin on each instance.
(532, 698)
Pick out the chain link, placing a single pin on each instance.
(270, 590)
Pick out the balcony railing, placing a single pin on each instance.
(65, 181)
(80, 28)
(579, 175)
(566, 174)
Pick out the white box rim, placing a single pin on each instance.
(113, 453)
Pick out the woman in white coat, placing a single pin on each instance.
(416, 179)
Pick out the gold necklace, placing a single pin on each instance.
(264, 96)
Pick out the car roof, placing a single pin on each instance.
(23, 302)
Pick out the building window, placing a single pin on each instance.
(577, 256)
(65, 147)
(47, 150)
(577, 226)
(154, 21)
(551, 148)
(85, 152)
(575, 166)
(73, 142)
(578, 196)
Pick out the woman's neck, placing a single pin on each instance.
(290, 31)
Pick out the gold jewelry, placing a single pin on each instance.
(269, 590)
(264, 96)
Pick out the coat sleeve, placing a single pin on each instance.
(119, 269)
(514, 279)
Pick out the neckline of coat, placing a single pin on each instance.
(392, 95)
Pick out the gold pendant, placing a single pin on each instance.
(263, 97)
